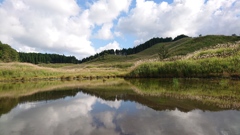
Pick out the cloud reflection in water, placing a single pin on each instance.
(87, 115)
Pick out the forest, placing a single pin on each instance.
(37, 58)
(8, 54)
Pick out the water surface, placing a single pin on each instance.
(122, 112)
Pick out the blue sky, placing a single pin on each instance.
(85, 27)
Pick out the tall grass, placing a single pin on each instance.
(21, 71)
(211, 67)
(27, 72)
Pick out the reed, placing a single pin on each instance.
(203, 68)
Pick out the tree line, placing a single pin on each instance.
(37, 58)
(8, 54)
(133, 50)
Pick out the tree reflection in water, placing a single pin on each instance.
(118, 109)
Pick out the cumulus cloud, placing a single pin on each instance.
(138, 42)
(57, 27)
(64, 27)
(46, 26)
(105, 11)
(105, 32)
(149, 19)
(114, 45)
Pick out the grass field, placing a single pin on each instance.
(29, 72)
(208, 60)
(208, 56)
(204, 68)
(180, 47)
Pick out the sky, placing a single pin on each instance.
(82, 28)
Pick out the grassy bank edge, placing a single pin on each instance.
(28, 72)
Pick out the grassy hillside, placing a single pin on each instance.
(8, 54)
(29, 72)
(208, 56)
(195, 44)
(221, 60)
(177, 48)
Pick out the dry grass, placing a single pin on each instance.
(25, 72)
(112, 67)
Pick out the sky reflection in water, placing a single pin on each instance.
(88, 115)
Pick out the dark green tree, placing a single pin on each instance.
(37, 58)
(163, 52)
(179, 37)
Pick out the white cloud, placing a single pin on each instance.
(105, 32)
(65, 28)
(138, 42)
(46, 26)
(105, 11)
(118, 34)
(149, 19)
(114, 45)
(58, 26)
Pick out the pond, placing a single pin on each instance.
(123, 107)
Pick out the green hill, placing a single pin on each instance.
(180, 47)
(203, 57)
(8, 54)
(208, 56)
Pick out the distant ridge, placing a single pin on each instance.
(135, 49)
(173, 48)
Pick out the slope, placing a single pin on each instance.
(180, 47)
(7, 53)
